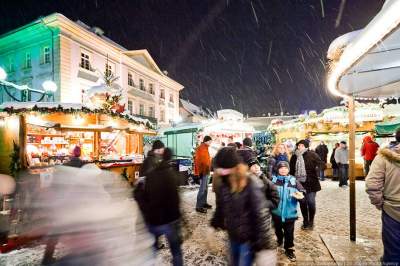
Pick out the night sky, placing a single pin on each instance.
(258, 57)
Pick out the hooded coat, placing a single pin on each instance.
(369, 148)
(383, 181)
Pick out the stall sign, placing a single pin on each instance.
(361, 115)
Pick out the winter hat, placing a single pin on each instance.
(343, 142)
(247, 142)
(157, 144)
(76, 152)
(252, 162)
(207, 138)
(226, 159)
(282, 164)
(304, 142)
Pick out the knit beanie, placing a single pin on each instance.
(282, 164)
(226, 158)
(157, 144)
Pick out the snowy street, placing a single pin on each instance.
(332, 218)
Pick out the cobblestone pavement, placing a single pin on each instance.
(332, 218)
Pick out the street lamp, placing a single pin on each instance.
(49, 87)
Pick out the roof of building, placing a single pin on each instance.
(193, 109)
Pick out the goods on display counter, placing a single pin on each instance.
(48, 132)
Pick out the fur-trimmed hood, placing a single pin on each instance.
(391, 153)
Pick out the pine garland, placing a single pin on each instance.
(85, 110)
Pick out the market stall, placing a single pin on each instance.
(47, 133)
(331, 126)
(228, 127)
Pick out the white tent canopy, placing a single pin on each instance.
(369, 62)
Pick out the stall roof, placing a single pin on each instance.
(388, 127)
(49, 107)
(367, 62)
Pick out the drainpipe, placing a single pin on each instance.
(52, 46)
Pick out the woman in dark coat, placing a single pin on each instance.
(242, 210)
(305, 171)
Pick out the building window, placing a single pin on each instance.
(162, 116)
(151, 88)
(141, 109)
(130, 80)
(171, 98)
(85, 61)
(11, 65)
(130, 107)
(28, 60)
(162, 94)
(151, 111)
(46, 55)
(141, 85)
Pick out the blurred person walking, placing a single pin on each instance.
(159, 202)
(243, 212)
(153, 158)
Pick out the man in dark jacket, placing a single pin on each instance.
(159, 202)
(303, 165)
(154, 157)
(242, 210)
(246, 152)
(322, 151)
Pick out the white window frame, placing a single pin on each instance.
(141, 109)
(162, 115)
(131, 81)
(142, 85)
(152, 112)
(46, 59)
(162, 94)
(130, 107)
(151, 89)
(28, 60)
(85, 60)
(171, 98)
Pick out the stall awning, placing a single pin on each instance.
(366, 63)
(387, 128)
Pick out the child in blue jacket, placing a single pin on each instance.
(284, 217)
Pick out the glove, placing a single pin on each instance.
(266, 257)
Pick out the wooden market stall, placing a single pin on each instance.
(47, 132)
(331, 126)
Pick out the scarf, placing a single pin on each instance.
(300, 172)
